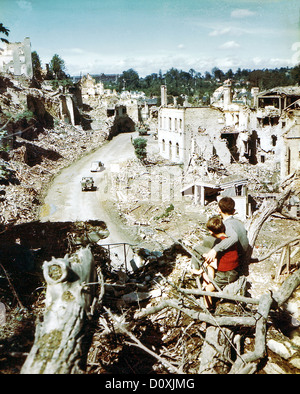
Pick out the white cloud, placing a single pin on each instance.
(279, 62)
(257, 60)
(260, 62)
(24, 5)
(241, 13)
(232, 31)
(220, 32)
(77, 50)
(180, 46)
(230, 45)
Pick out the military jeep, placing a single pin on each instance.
(87, 183)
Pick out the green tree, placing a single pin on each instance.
(58, 67)
(151, 85)
(160, 76)
(129, 80)
(256, 78)
(140, 145)
(192, 73)
(36, 65)
(295, 74)
(229, 74)
(4, 30)
(172, 78)
(207, 76)
(217, 73)
(200, 87)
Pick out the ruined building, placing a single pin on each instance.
(15, 58)
(278, 115)
(265, 130)
(184, 131)
(124, 111)
(291, 143)
(259, 128)
(179, 127)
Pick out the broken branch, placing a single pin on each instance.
(234, 321)
(222, 295)
(12, 288)
(278, 248)
(260, 337)
(140, 345)
(266, 302)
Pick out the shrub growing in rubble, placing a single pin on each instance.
(15, 117)
(140, 145)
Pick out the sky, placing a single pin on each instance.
(111, 36)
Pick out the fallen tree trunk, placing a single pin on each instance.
(287, 288)
(215, 359)
(267, 302)
(218, 360)
(58, 339)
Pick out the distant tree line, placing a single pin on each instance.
(195, 85)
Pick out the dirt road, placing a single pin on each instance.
(66, 202)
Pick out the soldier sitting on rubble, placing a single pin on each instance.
(221, 270)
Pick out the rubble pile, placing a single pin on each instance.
(143, 283)
(123, 342)
(149, 204)
(143, 196)
(165, 332)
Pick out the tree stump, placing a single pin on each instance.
(58, 338)
(216, 352)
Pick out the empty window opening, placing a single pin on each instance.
(231, 145)
(170, 150)
(239, 190)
